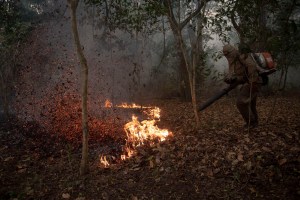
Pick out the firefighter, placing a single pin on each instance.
(242, 68)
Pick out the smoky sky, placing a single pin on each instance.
(120, 64)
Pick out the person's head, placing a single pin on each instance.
(229, 51)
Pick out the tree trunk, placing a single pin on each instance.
(3, 90)
(84, 159)
(191, 71)
(263, 33)
(191, 62)
(184, 79)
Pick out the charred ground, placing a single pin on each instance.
(218, 161)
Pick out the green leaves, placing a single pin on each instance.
(12, 27)
(131, 16)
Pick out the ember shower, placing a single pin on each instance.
(119, 69)
(49, 91)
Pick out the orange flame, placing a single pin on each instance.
(133, 105)
(104, 162)
(108, 104)
(138, 133)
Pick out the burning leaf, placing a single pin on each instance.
(104, 162)
(108, 104)
(125, 105)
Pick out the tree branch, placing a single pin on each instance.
(168, 5)
(191, 16)
(234, 23)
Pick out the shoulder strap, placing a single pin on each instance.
(246, 73)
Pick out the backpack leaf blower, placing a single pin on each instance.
(218, 96)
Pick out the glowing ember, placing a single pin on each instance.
(108, 104)
(128, 153)
(154, 113)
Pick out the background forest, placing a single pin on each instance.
(129, 45)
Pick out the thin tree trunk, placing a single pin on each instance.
(262, 24)
(285, 77)
(84, 159)
(184, 78)
(189, 63)
(3, 90)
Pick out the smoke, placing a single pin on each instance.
(48, 89)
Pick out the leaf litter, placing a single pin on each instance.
(219, 160)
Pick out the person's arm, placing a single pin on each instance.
(250, 65)
(230, 77)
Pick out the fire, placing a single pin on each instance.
(104, 162)
(154, 113)
(129, 152)
(108, 104)
(146, 131)
(133, 105)
(139, 133)
(125, 105)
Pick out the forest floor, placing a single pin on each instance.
(219, 160)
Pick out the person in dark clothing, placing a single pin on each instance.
(242, 68)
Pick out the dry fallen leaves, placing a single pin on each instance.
(66, 195)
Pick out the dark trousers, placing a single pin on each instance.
(246, 102)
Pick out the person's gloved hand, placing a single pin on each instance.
(255, 87)
(230, 79)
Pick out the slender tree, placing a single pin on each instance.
(84, 160)
(195, 58)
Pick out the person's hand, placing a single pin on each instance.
(255, 87)
(230, 79)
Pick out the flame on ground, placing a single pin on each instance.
(104, 162)
(126, 105)
(138, 133)
(108, 104)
